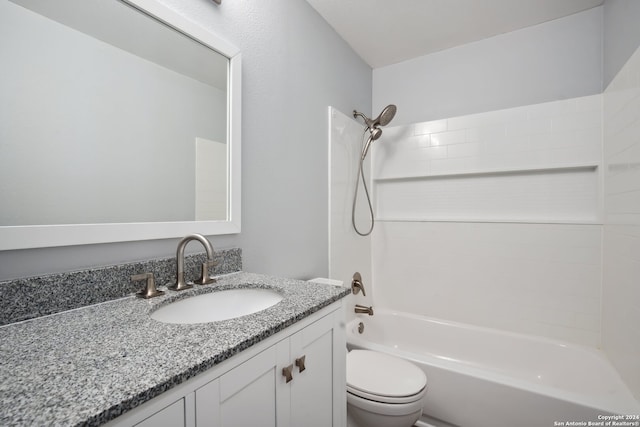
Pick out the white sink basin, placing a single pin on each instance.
(220, 305)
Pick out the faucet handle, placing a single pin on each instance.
(150, 290)
(356, 284)
(204, 278)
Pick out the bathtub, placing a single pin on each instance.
(480, 377)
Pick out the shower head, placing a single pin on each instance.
(375, 132)
(386, 116)
(382, 120)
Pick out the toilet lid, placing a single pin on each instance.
(381, 374)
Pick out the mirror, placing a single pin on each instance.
(119, 121)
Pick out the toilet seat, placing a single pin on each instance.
(383, 378)
(383, 399)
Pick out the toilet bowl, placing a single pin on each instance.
(383, 390)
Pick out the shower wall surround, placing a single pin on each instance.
(533, 163)
(493, 219)
(621, 263)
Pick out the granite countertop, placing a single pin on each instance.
(89, 365)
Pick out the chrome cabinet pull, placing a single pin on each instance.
(288, 373)
(300, 363)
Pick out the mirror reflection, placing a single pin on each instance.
(108, 116)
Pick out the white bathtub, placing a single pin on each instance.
(479, 377)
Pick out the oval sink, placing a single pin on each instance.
(220, 305)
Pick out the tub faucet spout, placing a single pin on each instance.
(361, 309)
(210, 262)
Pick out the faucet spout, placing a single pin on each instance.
(182, 244)
(361, 309)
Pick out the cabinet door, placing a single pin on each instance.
(171, 416)
(312, 388)
(245, 396)
(256, 393)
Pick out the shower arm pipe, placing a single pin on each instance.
(366, 119)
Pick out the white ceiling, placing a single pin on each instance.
(391, 31)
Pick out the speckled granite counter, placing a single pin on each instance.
(87, 366)
(32, 297)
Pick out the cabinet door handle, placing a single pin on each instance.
(288, 372)
(300, 363)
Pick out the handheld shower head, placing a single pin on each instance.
(374, 134)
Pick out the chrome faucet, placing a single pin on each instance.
(210, 262)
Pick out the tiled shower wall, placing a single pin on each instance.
(494, 219)
(621, 264)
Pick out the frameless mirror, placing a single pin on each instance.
(118, 121)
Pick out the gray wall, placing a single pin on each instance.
(555, 60)
(294, 67)
(621, 35)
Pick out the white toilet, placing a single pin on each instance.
(383, 390)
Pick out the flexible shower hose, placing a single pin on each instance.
(366, 190)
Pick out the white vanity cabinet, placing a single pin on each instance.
(311, 394)
(289, 384)
(246, 395)
(171, 416)
(251, 388)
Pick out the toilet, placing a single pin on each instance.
(383, 390)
